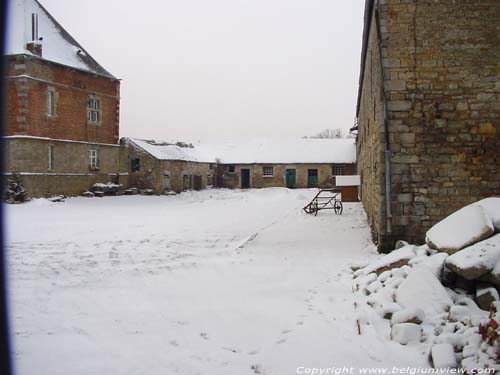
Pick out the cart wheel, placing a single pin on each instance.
(337, 207)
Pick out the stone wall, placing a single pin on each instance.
(161, 175)
(442, 89)
(278, 179)
(28, 81)
(69, 171)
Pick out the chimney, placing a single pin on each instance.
(35, 46)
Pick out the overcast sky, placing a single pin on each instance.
(205, 69)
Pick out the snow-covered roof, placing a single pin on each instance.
(57, 45)
(173, 151)
(258, 151)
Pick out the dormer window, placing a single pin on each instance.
(94, 110)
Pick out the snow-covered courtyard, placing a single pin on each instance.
(212, 282)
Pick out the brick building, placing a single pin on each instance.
(295, 164)
(62, 118)
(428, 112)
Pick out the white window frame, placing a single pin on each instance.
(94, 112)
(94, 158)
(50, 157)
(51, 103)
(268, 171)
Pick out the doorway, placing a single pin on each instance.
(197, 182)
(245, 178)
(290, 178)
(312, 178)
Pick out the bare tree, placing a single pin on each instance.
(328, 134)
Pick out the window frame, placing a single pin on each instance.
(336, 168)
(50, 157)
(94, 158)
(94, 110)
(267, 171)
(231, 168)
(135, 164)
(51, 102)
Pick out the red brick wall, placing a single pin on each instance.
(29, 79)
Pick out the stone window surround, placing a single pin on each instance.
(51, 102)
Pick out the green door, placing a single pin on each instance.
(312, 178)
(290, 178)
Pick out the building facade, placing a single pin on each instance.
(62, 118)
(293, 175)
(294, 164)
(165, 167)
(428, 112)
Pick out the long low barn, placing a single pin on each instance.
(254, 164)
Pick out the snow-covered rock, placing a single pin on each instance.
(421, 289)
(443, 356)
(476, 260)
(492, 208)
(395, 259)
(434, 262)
(406, 333)
(413, 315)
(463, 228)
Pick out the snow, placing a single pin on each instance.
(422, 290)
(401, 255)
(443, 356)
(461, 229)
(257, 151)
(405, 315)
(348, 180)
(476, 260)
(213, 282)
(57, 45)
(492, 208)
(406, 333)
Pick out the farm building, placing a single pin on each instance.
(165, 167)
(295, 164)
(298, 163)
(62, 117)
(428, 112)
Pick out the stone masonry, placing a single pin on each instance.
(429, 98)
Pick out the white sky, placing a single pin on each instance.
(205, 69)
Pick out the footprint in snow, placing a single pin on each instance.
(257, 369)
(281, 341)
(204, 336)
(232, 350)
(173, 343)
(285, 331)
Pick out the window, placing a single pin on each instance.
(93, 159)
(50, 158)
(268, 171)
(51, 103)
(211, 166)
(93, 110)
(337, 170)
(231, 169)
(135, 164)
